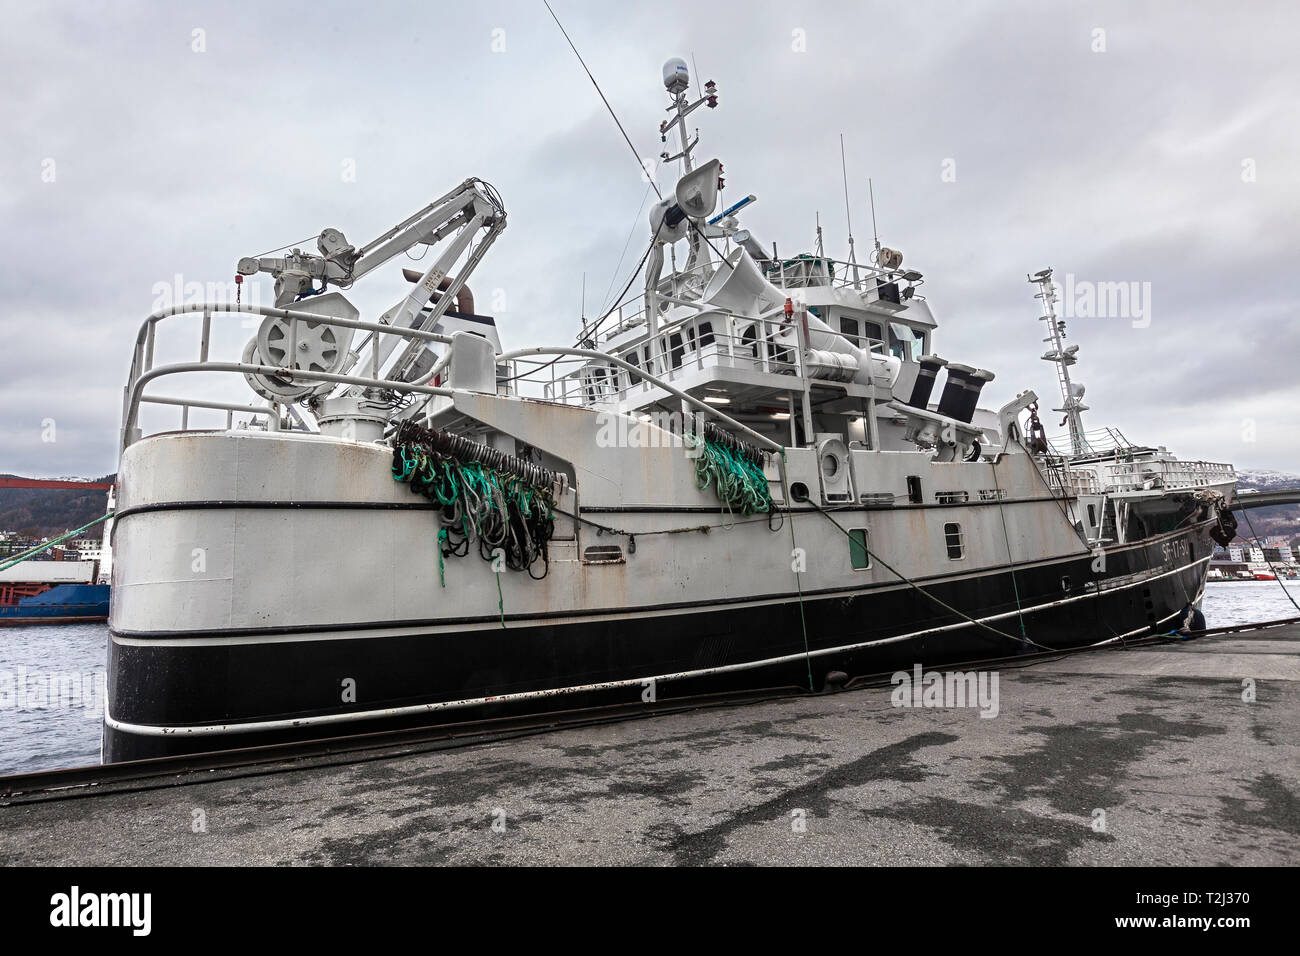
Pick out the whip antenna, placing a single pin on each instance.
(848, 215)
(603, 100)
(874, 231)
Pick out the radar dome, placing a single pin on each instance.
(676, 76)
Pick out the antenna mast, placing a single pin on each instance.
(848, 215)
(1062, 356)
(875, 233)
(677, 81)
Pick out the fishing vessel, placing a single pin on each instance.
(754, 470)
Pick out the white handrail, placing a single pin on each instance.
(627, 366)
(143, 371)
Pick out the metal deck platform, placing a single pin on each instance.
(1158, 738)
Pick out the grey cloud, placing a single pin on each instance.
(1124, 165)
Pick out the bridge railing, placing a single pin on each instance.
(1154, 475)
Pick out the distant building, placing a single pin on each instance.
(87, 549)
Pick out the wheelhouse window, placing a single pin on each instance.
(861, 332)
(905, 343)
(675, 350)
(849, 329)
(953, 540)
(749, 340)
(705, 336)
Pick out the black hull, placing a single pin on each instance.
(279, 678)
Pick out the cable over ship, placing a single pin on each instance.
(754, 470)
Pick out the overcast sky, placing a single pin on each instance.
(1128, 142)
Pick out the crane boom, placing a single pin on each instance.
(472, 204)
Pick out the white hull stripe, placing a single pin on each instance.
(153, 730)
(325, 634)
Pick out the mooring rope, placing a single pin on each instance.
(916, 587)
(1245, 513)
(798, 580)
(1015, 588)
(30, 552)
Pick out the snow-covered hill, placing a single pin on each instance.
(1262, 479)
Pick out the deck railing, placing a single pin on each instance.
(798, 273)
(696, 342)
(144, 371)
(1097, 441)
(1154, 475)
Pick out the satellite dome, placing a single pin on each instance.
(676, 76)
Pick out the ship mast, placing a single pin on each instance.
(1062, 356)
(677, 82)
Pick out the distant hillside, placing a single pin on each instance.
(46, 512)
(1284, 519)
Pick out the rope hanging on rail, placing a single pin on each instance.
(734, 468)
(503, 503)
